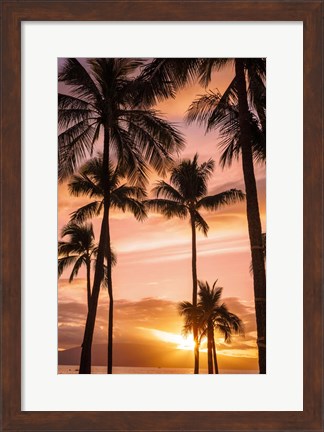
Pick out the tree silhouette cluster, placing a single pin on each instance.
(110, 105)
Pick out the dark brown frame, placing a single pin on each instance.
(13, 12)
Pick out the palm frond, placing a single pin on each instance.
(68, 248)
(202, 108)
(214, 202)
(81, 184)
(76, 268)
(92, 170)
(167, 191)
(68, 117)
(156, 138)
(124, 190)
(162, 77)
(256, 76)
(123, 202)
(67, 102)
(207, 66)
(74, 74)
(130, 160)
(87, 211)
(65, 262)
(74, 145)
(113, 73)
(72, 110)
(168, 208)
(209, 297)
(81, 235)
(200, 223)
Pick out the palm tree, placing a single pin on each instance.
(210, 315)
(77, 251)
(249, 87)
(90, 182)
(184, 197)
(215, 316)
(104, 98)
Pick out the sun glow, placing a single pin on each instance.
(182, 342)
(187, 343)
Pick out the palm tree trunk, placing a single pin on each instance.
(214, 354)
(253, 215)
(111, 301)
(85, 362)
(88, 265)
(194, 291)
(210, 347)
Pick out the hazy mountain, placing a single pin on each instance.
(162, 354)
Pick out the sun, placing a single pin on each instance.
(186, 343)
(181, 342)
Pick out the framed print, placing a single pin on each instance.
(40, 41)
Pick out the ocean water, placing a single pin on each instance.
(74, 369)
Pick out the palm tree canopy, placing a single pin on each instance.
(213, 310)
(215, 109)
(77, 249)
(192, 315)
(104, 92)
(164, 76)
(210, 309)
(186, 193)
(90, 182)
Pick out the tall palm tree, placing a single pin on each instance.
(104, 99)
(77, 251)
(184, 197)
(90, 182)
(249, 86)
(215, 316)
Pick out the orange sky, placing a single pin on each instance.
(153, 272)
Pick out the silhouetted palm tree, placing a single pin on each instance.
(105, 99)
(215, 316)
(77, 251)
(184, 197)
(248, 86)
(250, 78)
(90, 182)
(210, 315)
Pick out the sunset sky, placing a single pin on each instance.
(153, 271)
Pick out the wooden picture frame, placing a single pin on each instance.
(13, 13)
